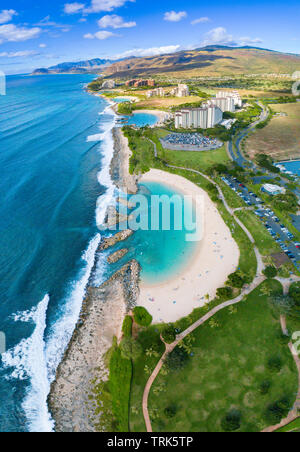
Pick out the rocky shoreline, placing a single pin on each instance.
(103, 310)
(83, 366)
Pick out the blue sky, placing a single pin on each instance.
(39, 34)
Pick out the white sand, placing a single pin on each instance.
(216, 256)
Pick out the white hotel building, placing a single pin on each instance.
(198, 118)
(233, 94)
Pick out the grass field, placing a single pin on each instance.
(292, 427)
(281, 137)
(263, 240)
(226, 371)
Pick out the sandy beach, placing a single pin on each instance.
(215, 257)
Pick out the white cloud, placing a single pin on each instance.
(96, 6)
(12, 33)
(152, 51)
(114, 21)
(220, 36)
(22, 53)
(245, 40)
(42, 46)
(101, 35)
(173, 16)
(73, 8)
(201, 20)
(6, 15)
(46, 22)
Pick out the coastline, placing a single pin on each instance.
(215, 257)
(72, 400)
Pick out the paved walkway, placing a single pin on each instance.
(247, 290)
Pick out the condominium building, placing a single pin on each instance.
(180, 91)
(224, 103)
(198, 118)
(234, 95)
(139, 83)
(158, 92)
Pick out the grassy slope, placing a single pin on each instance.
(281, 137)
(203, 62)
(264, 241)
(226, 370)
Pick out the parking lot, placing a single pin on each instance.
(276, 229)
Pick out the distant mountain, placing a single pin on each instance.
(207, 61)
(79, 67)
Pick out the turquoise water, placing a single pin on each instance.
(161, 253)
(120, 100)
(55, 186)
(142, 119)
(294, 167)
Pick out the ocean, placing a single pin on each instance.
(55, 152)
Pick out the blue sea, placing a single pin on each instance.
(293, 166)
(55, 151)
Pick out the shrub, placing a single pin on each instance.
(142, 316)
(265, 387)
(270, 271)
(169, 334)
(225, 293)
(171, 411)
(277, 411)
(236, 280)
(177, 359)
(127, 326)
(295, 293)
(232, 421)
(275, 364)
(130, 349)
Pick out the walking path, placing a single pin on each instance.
(247, 290)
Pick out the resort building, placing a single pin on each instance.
(198, 118)
(273, 190)
(158, 92)
(180, 91)
(231, 94)
(140, 83)
(224, 103)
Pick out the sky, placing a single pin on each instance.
(36, 34)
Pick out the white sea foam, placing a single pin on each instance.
(97, 137)
(61, 332)
(36, 358)
(27, 361)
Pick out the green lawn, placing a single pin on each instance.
(292, 427)
(149, 339)
(263, 240)
(227, 367)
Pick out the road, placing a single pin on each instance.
(238, 156)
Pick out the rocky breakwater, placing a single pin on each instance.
(119, 169)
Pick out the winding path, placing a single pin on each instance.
(247, 290)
